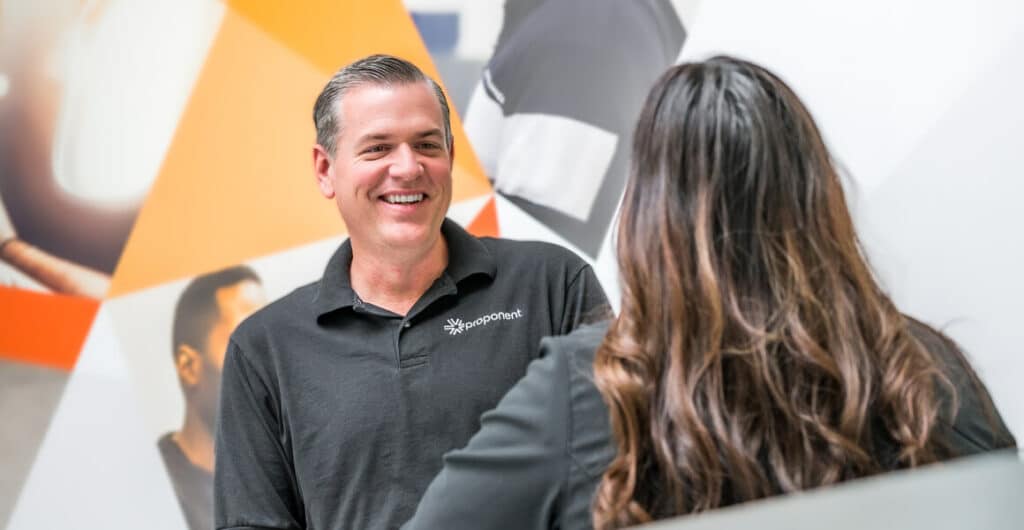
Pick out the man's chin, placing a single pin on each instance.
(410, 235)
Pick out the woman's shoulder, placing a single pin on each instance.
(972, 422)
(589, 429)
(571, 356)
(579, 345)
(589, 446)
(574, 354)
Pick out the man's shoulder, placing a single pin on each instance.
(523, 252)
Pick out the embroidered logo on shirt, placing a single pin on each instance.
(456, 326)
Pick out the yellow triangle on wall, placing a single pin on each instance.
(332, 33)
(237, 180)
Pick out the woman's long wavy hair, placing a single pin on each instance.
(754, 352)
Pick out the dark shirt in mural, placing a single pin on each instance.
(193, 485)
(584, 64)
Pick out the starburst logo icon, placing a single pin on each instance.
(455, 326)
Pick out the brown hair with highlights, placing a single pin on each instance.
(754, 353)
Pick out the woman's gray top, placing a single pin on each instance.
(538, 457)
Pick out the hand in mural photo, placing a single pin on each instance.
(56, 274)
(34, 265)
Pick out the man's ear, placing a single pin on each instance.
(322, 171)
(189, 364)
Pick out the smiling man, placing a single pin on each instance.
(339, 400)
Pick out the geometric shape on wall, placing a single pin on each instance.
(44, 329)
(28, 397)
(486, 222)
(237, 180)
(85, 122)
(464, 212)
(96, 449)
(341, 32)
(554, 117)
(328, 33)
(534, 156)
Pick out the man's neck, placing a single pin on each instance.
(196, 441)
(395, 281)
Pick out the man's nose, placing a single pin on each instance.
(405, 164)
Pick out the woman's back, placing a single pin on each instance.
(539, 456)
(754, 352)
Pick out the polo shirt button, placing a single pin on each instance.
(407, 325)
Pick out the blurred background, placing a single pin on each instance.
(145, 144)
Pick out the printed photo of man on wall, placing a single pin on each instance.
(208, 310)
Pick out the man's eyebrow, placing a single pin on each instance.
(382, 136)
(430, 132)
(373, 137)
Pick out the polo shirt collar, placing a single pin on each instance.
(467, 256)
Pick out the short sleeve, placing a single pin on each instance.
(254, 484)
(585, 301)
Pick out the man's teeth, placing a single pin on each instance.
(404, 199)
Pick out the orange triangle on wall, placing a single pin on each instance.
(328, 33)
(486, 222)
(44, 329)
(342, 32)
(237, 181)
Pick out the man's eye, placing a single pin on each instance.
(429, 146)
(376, 149)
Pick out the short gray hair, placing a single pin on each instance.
(386, 70)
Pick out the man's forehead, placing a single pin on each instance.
(372, 101)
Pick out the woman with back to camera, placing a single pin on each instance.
(754, 353)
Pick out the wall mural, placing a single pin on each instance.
(155, 188)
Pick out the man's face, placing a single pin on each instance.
(391, 173)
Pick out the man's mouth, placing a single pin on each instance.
(407, 198)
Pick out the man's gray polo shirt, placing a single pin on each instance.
(335, 413)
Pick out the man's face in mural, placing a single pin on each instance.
(202, 369)
(236, 303)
